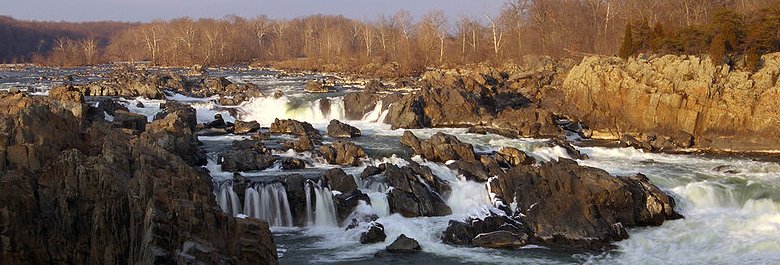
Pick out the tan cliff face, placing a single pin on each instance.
(721, 108)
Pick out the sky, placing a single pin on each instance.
(147, 10)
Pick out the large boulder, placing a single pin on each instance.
(337, 129)
(244, 127)
(583, 207)
(337, 180)
(410, 197)
(464, 233)
(439, 148)
(294, 127)
(346, 203)
(343, 153)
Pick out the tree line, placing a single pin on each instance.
(404, 44)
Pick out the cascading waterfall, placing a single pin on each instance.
(323, 213)
(268, 202)
(377, 114)
(228, 200)
(265, 110)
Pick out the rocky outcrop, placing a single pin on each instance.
(513, 157)
(346, 203)
(129, 120)
(566, 204)
(100, 195)
(463, 233)
(293, 127)
(337, 129)
(675, 102)
(337, 180)
(439, 148)
(244, 127)
(342, 153)
(409, 196)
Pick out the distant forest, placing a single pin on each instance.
(730, 30)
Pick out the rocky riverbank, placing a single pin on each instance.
(664, 104)
(76, 189)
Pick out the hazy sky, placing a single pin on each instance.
(145, 10)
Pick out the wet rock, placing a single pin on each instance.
(404, 244)
(513, 157)
(375, 233)
(583, 207)
(244, 127)
(570, 150)
(370, 171)
(410, 197)
(500, 239)
(408, 113)
(463, 233)
(218, 122)
(342, 153)
(296, 196)
(289, 163)
(337, 129)
(651, 205)
(70, 99)
(439, 148)
(471, 170)
(109, 106)
(294, 127)
(302, 144)
(315, 86)
(357, 104)
(129, 120)
(245, 160)
(336, 179)
(346, 203)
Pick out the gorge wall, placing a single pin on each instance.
(684, 98)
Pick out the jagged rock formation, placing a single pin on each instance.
(72, 194)
(674, 102)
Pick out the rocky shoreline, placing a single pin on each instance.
(90, 182)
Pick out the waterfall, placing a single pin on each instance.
(265, 109)
(309, 210)
(377, 114)
(228, 200)
(324, 212)
(268, 202)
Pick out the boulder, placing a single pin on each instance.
(584, 207)
(315, 86)
(337, 129)
(245, 160)
(289, 163)
(129, 120)
(109, 106)
(513, 157)
(342, 153)
(346, 203)
(410, 197)
(463, 233)
(375, 233)
(337, 180)
(404, 244)
(302, 144)
(370, 171)
(244, 127)
(296, 196)
(357, 104)
(293, 127)
(218, 122)
(439, 148)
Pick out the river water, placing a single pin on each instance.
(730, 204)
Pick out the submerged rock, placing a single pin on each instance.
(500, 239)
